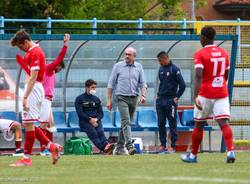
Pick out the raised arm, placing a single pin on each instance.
(52, 66)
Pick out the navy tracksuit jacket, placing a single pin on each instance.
(90, 106)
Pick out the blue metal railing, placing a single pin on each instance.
(139, 22)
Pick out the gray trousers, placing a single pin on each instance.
(126, 107)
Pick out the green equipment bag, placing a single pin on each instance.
(78, 146)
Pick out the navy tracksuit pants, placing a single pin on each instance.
(95, 134)
(167, 110)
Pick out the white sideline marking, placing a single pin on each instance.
(192, 179)
(230, 171)
(20, 179)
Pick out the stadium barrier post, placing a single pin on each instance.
(140, 32)
(2, 24)
(94, 26)
(239, 42)
(184, 26)
(49, 26)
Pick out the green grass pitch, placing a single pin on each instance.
(137, 169)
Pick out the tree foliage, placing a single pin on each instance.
(87, 9)
(115, 9)
(35, 8)
(100, 9)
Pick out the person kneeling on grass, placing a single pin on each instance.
(90, 113)
(11, 129)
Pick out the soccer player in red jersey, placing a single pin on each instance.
(210, 93)
(46, 116)
(34, 59)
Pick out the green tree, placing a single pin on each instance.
(115, 9)
(35, 8)
(30, 9)
(169, 9)
(88, 9)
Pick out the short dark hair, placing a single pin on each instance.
(90, 82)
(162, 53)
(20, 37)
(208, 32)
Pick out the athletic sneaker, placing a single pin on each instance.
(186, 158)
(132, 151)
(109, 148)
(230, 157)
(55, 150)
(19, 152)
(22, 162)
(170, 150)
(120, 151)
(45, 152)
(162, 150)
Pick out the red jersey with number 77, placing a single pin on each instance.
(214, 62)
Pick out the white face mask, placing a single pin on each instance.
(92, 92)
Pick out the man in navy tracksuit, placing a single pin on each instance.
(89, 110)
(170, 90)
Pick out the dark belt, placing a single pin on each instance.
(128, 96)
(165, 96)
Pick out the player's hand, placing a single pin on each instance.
(176, 100)
(93, 122)
(198, 103)
(109, 105)
(142, 99)
(52, 129)
(96, 122)
(66, 39)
